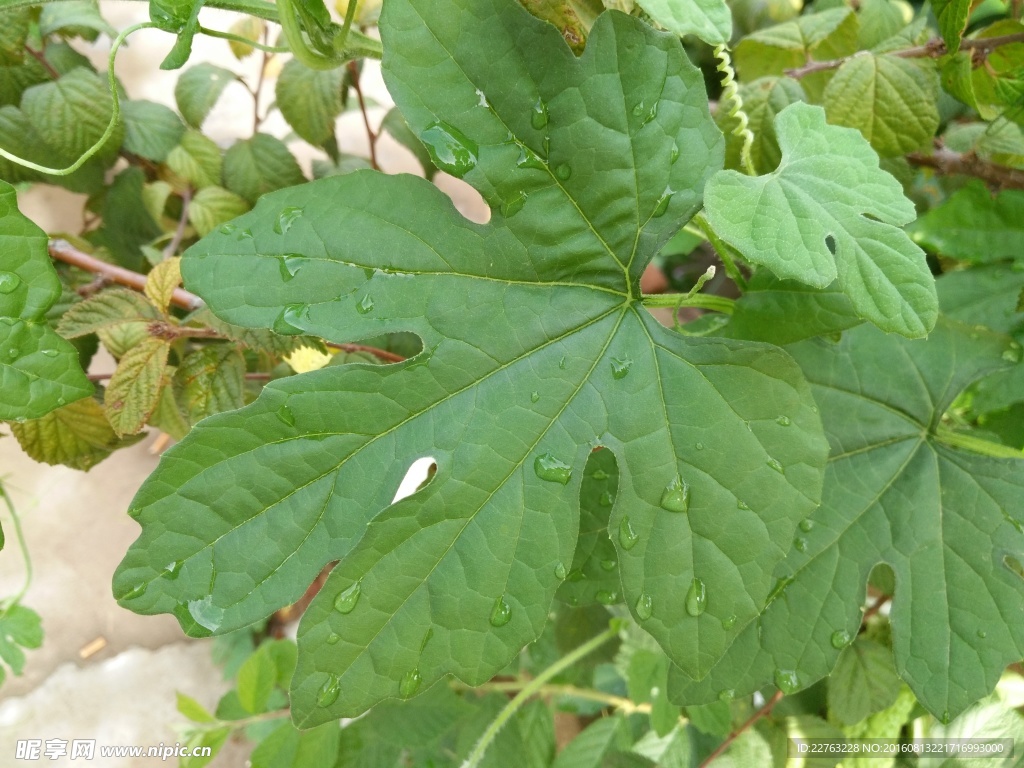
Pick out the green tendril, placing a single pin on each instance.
(731, 94)
(115, 115)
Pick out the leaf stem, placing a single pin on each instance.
(19, 534)
(975, 444)
(762, 712)
(725, 252)
(532, 688)
(618, 702)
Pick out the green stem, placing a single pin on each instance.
(350, 14)
(114, 115)
(297, 43)
(532, 688)
(724, 252)
(244, 40)
(700, 300)
(976, 444)
(19, 534)
(258, 8)
(245, 722)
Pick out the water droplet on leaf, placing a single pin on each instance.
(787, 681)
(699, 446)
(783, 421)
(539, 118)
(173, 570)
(638, 109)
(651, 114)
(604, 597)
(620, 368)
(800, 544)
(599, 474)
(9, 282)
(290, 264)
(627, 536)
(50, 352)
(410, 683)
(365, 306)
(644, 606)
(606, 499)
(529, 159)
(346, 601)
(662, 205)
(673, 154)
(608, 565)
(501, 613)
(227, 229)
(206, 614)
(137, 591)
(729, 622)
(534, 397)
(563, 171)
(450, 149)
(676, 496)
(561, 363)
(776, 465)
(288, 323)
(547, 467)
(560, 572)
(806, 525)
(982, 634)
(727, 695)
(333, 638)
(696, 598)
(741, 504)
(285, 415)
(286, 218)
(1012, 354)
(329, 691)
(513, 205)
(840, 639)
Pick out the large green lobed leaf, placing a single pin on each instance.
(536, 349)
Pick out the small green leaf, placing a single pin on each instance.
(134, 390)
(594, 744)
(14, 29)
(820, 36)
(127, 225)
(249, 27)
(288, 747)
(39, 371)
(984, 295)
(151, 130)
(77, 435)
(196, 160)
(975, 225)
(261, 164)
(211, 380)
(863, 682)
(213, 206)
(881, 20)
(892, 101)
(182, 18)
(709, 20)
(20, 629)
(161, 282)
(952, 17)
(111, 306)
(310, 100)
(74, 18)
(192, 709)
(808, 221)
(256, 680)
(763, 100)
(198, 89)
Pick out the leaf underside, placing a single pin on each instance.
(536, 350)
(947, 521)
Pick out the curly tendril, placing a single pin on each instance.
(730, 93)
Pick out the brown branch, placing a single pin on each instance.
(259, 86)
(370, 135)
(934, 49)
(170, 332)
(41, 58)
(62, 250)
(876, 606)
(251, 375)
(383, 354)
(947, 162)
(762, 712)
(179, 233)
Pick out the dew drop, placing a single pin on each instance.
(599, 474)
(561, 364)
(244, 234)
(606, 499)
(450, 149)
(173, 570)
(644, 606)
(638, 109)
(840, 639)
(783, 421)
(676, 496)
(662, 205)
(206, 614)
(560, 572)
(346, 601)
(501, 613)
(426, 638)
(329, 691)
(673, 154)
(605, 597)
(12, 353)
(227, 229)
(333, 638)
(778, 588)
(513, 205)
(699, 446)
(575, 575)
(786, 680)
(286, 218)
(285, 415)
(800, 544)
(982, 634)
(50, 352)
(627, 536)
(547, 467)
(741, 504)
(539, 118)
(410, 683)
(61, 401)
(9, 282)
(806, 525)
(137, 591)
(365, 306)
(696, 598)
(1012, 354)
(608, 565)
(529, 159)
(620, 367)
(563, 171)
(288, 322)
(290, 264)
(651, 114)
(945, 717)
(729, 622)
(776, 465)
(727, 695)
(534, 397)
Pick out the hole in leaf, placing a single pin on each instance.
(417, 477)
(883, 579)
(467, 200)
(830, 243)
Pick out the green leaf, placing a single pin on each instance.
(71, 114)
(151, 130)
(395, 124)
(161, 282)
(952, 17)
(863, 682)
(14, 29)
(182, 18)
(710, 20)
(948, 521)
(881, 20)
(134, 390)
(39, 371)
(249, 27)
(20, 628)
(74, 18)
(111, 306)
(983, 296)
(288, 747)
(212, 380)
(820, 36)
(198, 89)
(256, 680)
(763, 100)
(213, 206)
(892, 101)
(197, 160)
(808, 221)
(261, 164)
(127, 225)
(458, 577)
(192, 709)
(77, 435)
(594, 744)
(974, 225)
(887, 724)
(310, 100)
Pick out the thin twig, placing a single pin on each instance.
(948, 162)
(876, 606)
(370, 135)
(934, 49)
(62, 250)
(41, 58)
(179, 233)
(259, 87)
(762, 712)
